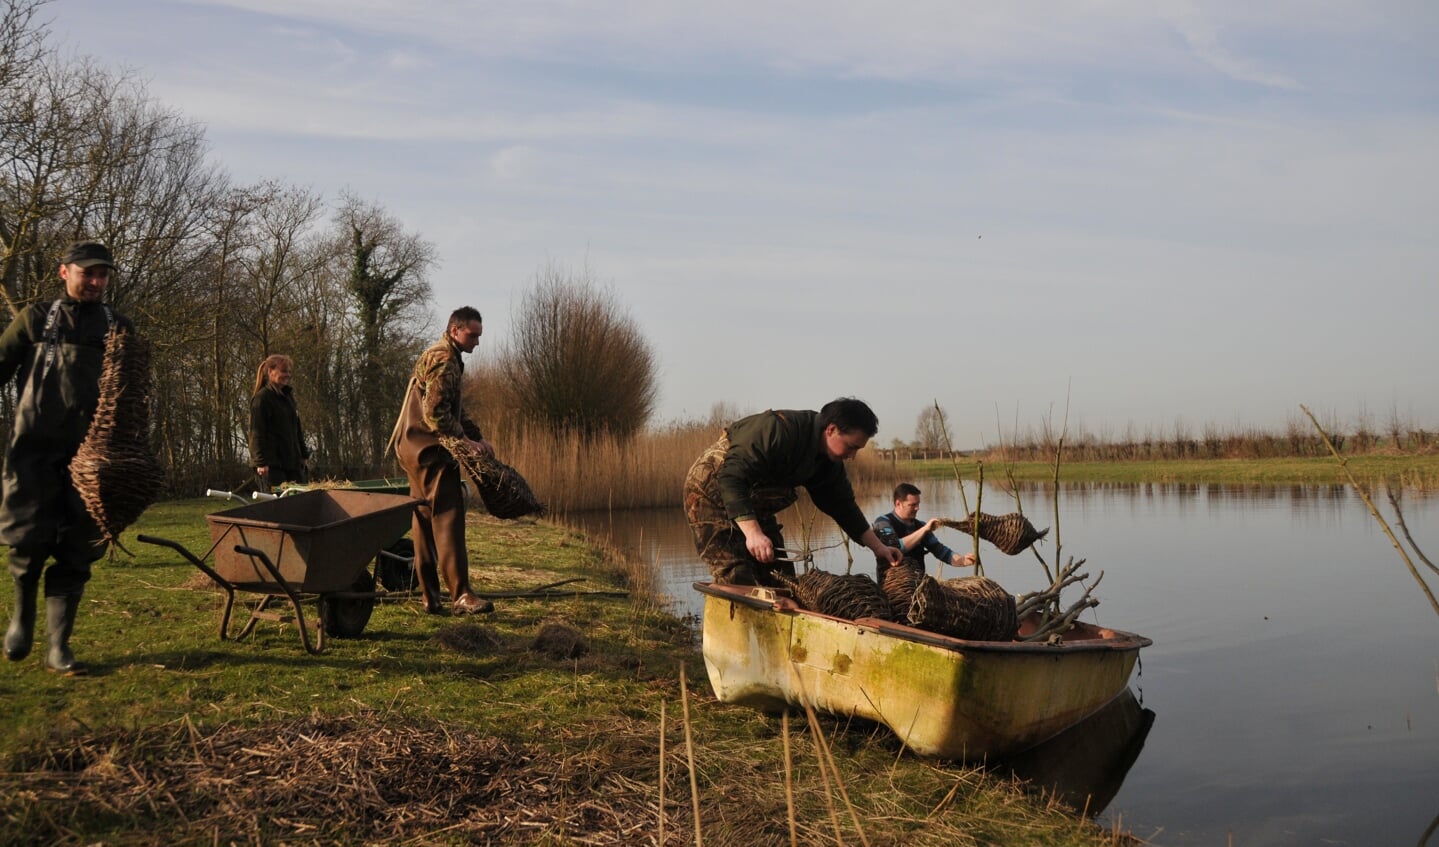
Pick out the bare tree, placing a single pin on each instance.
(388, 282)
(931, 430)
(576, 362)
(216, 276)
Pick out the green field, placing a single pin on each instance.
(438, 730)
(1418, 470)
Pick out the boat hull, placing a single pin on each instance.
(943, 697)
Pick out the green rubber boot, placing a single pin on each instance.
(21, 634)
(60, 620)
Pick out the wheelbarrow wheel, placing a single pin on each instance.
(397, 574)
(346, 616)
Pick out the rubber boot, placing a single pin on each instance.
(21, 634)
(60, 620)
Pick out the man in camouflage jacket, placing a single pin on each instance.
(432, 409)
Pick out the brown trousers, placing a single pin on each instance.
(718, 540)
(439, 526)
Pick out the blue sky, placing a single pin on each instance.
(1154, 211)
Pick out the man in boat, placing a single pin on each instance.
(902, 529)
(737, 487)
(432, 409)
(58, 349)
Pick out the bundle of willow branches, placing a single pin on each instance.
(504, 492)
(115, 471)
(1012, 533)
(970, 607)
(849, 596)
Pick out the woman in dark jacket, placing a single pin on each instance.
(277, 441)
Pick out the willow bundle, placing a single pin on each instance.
(115, 471)
(975, 608)
(900, 582)
(848, 596)
(501, 488)
(1012, 533)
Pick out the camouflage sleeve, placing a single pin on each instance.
(439, 386)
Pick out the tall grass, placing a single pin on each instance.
(607, 472)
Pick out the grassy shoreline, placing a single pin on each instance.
(441, 730)
(1409, 470)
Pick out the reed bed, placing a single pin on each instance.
(605, 472)
(648, 469)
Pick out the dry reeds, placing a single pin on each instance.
(609, 472)
(380, 779)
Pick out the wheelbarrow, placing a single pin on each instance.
(314, 545)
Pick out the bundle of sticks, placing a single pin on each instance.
(504, 492)
(849, 596)
(115, 472)
(1012, 533)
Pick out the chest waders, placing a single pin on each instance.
(43, 515)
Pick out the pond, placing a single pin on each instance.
(1293, 684)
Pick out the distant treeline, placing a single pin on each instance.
(1298, 439)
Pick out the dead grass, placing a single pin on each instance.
(370, 778)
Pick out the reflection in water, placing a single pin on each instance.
(1085, 765)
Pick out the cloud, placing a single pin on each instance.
(1201, 35)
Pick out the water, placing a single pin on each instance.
(1294, 676)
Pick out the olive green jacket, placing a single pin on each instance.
(59, 388)
(786, 448)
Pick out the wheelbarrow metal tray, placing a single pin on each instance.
(319, 541)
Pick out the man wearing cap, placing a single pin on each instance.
(57, 349)
(737, 487)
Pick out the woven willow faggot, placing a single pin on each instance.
(900, 583)
(970, 607)
(501, 488)
(1012, 533)
(114, 471)
(848, 596)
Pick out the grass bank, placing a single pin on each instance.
(1409, 470)
(545, 723)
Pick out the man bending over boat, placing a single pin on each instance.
(903, 530)
(737, 487)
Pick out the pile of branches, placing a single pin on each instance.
(1051, 621)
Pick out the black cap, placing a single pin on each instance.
(88, 254)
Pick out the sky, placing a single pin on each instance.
(1128, 214)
